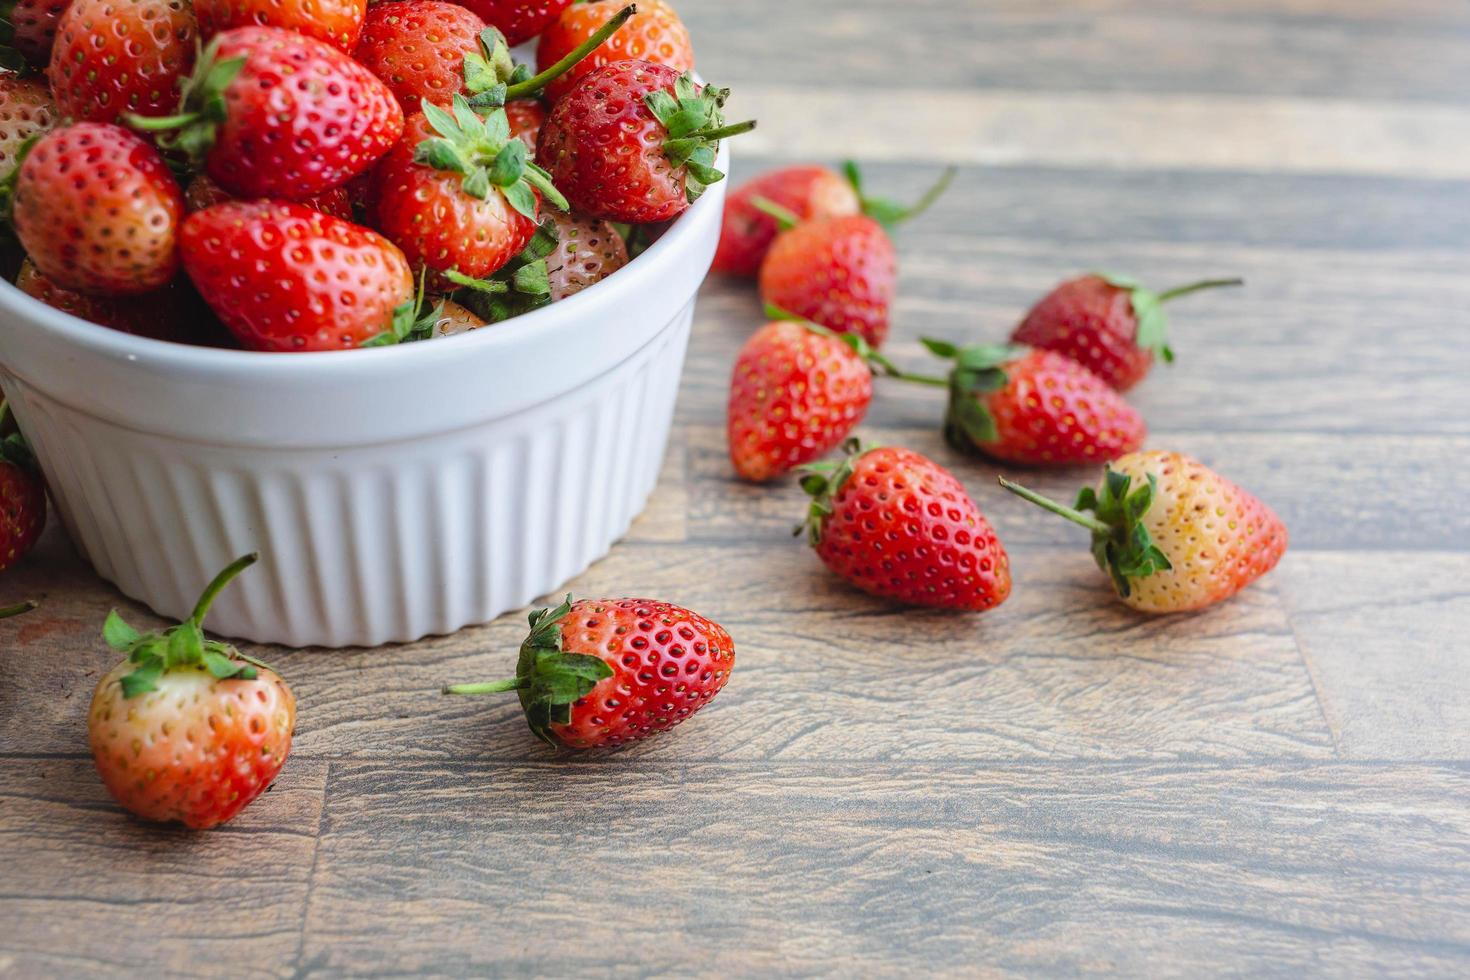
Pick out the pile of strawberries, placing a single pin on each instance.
(1171, 534)
(293, 176)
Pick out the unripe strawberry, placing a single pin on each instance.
(1173, 535)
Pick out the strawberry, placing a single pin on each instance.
(518, 20)
(1032, 407)
(458, 192)
(526, 117)
(635, 142)
(418, 47)
(273, 114)
(283, 277)
(118, 56)
(452, 319)
(587, 252)
(337, 22)
(602, 672)
(1172, 534)
(796, 393)
(186, 728)
(797, 194)
(900, 526)
(164, 314)
(25, 111)
(28, 32)
(839, 272)
(98, 210)
(1109, 324)
(203, 192)
(655, 34)
(426, 50)
(22, 496)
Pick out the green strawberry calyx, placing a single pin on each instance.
(889, 213)
(823, 482)
(202, 107)
(1121, 544)
(1148, 309)
(548, 679)
(410, 322)
(13, 446)
(979, 370)
(493, 78)
(482, 150)
(519, 286)
(694, 120)
(10, 58)
(155, 654)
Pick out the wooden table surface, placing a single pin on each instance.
(1277, 785)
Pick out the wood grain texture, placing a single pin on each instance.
(87, 890)
(877, 869)
(1385, 637)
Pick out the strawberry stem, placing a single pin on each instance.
(723, 132)
(786, 219)
(1195, 287)
(212, 591)
(536, 83)
(1075, 516)
(24, 607)
(489, 687)
(159, 124)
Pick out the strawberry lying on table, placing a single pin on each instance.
(1172, 534)
(187, 728)
(602, 672)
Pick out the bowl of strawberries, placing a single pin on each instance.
(351, 287)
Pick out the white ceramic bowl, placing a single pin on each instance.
(393, 493)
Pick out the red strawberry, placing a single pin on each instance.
(526, 117)
(31, 25)
(25, 111)
(203, 192)
(796, 393)
(1032, 407)
(518, 20)
(164, 314)
(430, 51)
(1110, 325)
(587, 252)
(273, 114)
(802, 193)
(839, 272)
(186, 728)
(635, 142)
(283, 277)
(1172, 534)
(458, 193)
(655, 34)
(117, 56)
(22, 497)
(603, 672)
(900, 526)
(98, 211)
(418, 48)
(337, 22)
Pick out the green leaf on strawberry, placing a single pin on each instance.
(521, 285)
(547, 679)
(822, 482)
(483, 151)
(183, 645)
(695, 123)
(1148, 309)
(979, 369)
